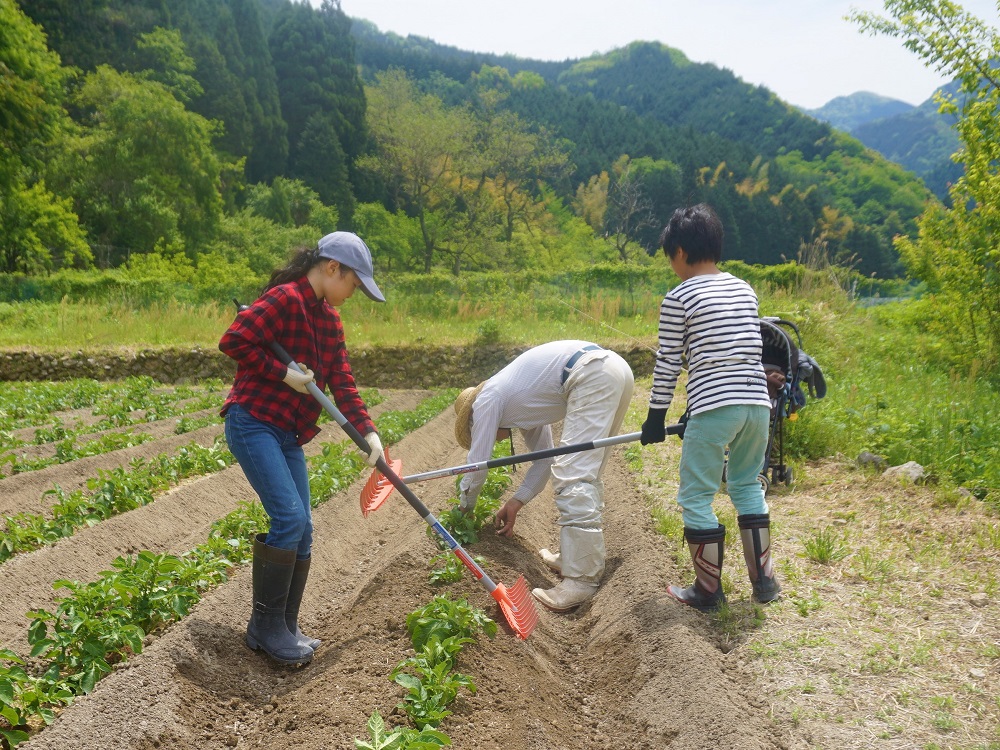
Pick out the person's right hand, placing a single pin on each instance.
(505, 517)
(653, 429)
(298, 380)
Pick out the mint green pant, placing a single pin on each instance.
(744, 429)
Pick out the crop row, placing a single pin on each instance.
(101, 623)
(136, 399)
(438, 632)
(118, 491)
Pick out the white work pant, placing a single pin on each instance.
(599, 390)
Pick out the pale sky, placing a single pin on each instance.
(803, 50)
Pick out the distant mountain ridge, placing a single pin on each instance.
(779, 178)
(862, 107)
(920, 138)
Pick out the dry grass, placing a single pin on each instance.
(888, 632)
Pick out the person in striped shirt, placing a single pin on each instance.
(270, 414)
(711, 320)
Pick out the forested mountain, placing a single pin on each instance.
(691, 132)
(206, 137)
(860, 108)
(921, 139)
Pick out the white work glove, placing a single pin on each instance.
(375, 443)
(297, 380)
(466, 503)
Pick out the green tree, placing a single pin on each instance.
(515, 156)
(291, 203)
(37, 229)
(394, 238)
(224, 38)
(421, 146)
(591, 201)
(321, 96)
(161, 57)
(143, 171)
(957, 250)
(86, 33)
(268, 155)
(321, 163)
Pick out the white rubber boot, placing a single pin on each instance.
(568, 594)
(552, 559)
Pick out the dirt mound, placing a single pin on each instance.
(630, 670)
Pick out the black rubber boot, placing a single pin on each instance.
(706, 546)
(298, 585)
(272, 575)
(755, 532)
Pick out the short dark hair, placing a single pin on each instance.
(698, 230)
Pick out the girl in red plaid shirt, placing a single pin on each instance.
(270, 415)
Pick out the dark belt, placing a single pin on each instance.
(571, 362)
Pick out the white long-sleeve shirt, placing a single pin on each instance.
(526, 394)
(712, 320)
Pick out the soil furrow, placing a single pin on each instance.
(174, 523)
(156, 430)
(632, 669)
(25, 493)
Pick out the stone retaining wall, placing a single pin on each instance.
(424, 367)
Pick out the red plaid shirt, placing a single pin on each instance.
(310, 331)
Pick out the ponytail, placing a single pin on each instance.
(296, 268)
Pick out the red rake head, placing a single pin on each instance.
(378, 488)
(518, 607)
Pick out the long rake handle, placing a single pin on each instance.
(383, 466)
(674, 429)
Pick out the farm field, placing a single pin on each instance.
(885, 643)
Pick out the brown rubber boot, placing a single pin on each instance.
(755, 533)
(706, 546)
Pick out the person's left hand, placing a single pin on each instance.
(466, 503)
(375, 444)
(505, 517)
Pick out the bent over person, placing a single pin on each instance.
(589, 388)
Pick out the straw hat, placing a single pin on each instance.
(463, 415)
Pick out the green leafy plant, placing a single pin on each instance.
(447, 568)
(430, 691)
(443, 618)
(108, 494)
(103, 622)
(381, 737)
(403, 738)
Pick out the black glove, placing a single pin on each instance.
(653, 430)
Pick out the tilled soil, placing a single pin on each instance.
(631, 670)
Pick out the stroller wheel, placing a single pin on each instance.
(764, 483)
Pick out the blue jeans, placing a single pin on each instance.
(275, 466)
(744, 429)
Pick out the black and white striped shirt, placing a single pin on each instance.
(712, 321)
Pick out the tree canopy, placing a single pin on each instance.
(162, 122)
(957, 250)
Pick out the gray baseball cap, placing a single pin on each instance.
(351, 250)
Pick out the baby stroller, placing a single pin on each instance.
(787, 367)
